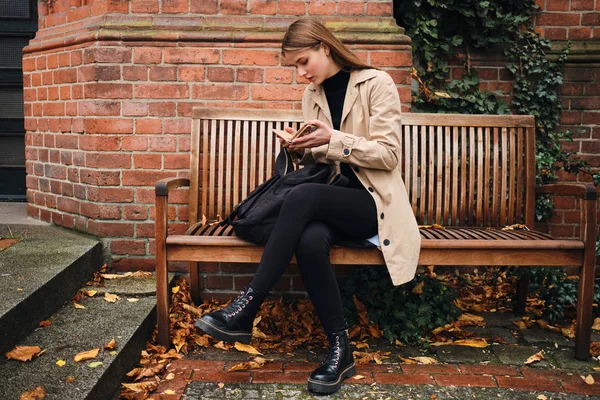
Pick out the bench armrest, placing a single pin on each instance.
(164, 186)
(583, 191)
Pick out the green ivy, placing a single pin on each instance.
(556, 289)
(399, 312)
(503, 27)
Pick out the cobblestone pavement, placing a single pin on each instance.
(494, 372)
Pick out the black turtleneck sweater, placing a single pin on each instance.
(335, 92)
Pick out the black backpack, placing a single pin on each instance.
(254, 218)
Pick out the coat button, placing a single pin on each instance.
(381, 215)
(371, 189)
(346, 152)
(386, 242)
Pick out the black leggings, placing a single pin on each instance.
(314, 217)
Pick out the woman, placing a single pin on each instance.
(356, 110)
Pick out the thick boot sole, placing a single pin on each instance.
(223, 334)
(331, 387)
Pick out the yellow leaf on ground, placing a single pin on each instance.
(111, 298)
(362, 346)
(141, 387)
(61, 363)
(169, 391)
(479, 343)
(568, 332)
(37, 393)
(539, 356)
(70, 379)
(116, 276)
(86, 355)
(179, 339)
(90, 293)
(111, 345)
(222, 346)
(541, 397)
(357, 377)
(77, 305)
(23, 353)
(466, 317)
(246, 365)
(139, 373)
(192, 309)
(133, 299)
(424, 360)
(596, 324)
(220, 385)
(95, 364)
(589, 379)
(418, 289)
(246, 348)
(407, 360)
(45, 323)
(170, 376)
(175, 289)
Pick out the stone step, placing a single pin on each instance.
(39, 274)
(72, 331)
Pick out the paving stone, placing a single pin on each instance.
(517, 355)
(204, 390)
(565, 358)
(493, 332)
(536, 335)
(499, 320)
(466, 355)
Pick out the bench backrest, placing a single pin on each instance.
(459, 170)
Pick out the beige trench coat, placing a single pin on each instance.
(369, 139)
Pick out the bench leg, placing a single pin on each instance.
(585, 296)
(162, 278)
(522, 286)
(195, 283)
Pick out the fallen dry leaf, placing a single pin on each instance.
(37, 393)
(424, 360)
(407, 360)
(133, 299)
(596, 324)
(568, 332)
(175, 289)
(589, 379)
(418, 289)
(220, 385)
(479, 343)
(169, 391)
(45, 323)
(141, 387)
(86, 355)
(116, 276)
(111, 298)
(246, 365)
(90, 293)
(61, 363)
(542, 397)
(70, 379)
(95, 364)
(140, 373)
(357, 377)
(23, 353)
(246, 348)
(77, 305)
(539, 356)
(170, 376)
(111, 345)
(467, 317)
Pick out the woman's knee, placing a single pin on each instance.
(314, 242)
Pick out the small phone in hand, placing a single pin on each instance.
(303, 130)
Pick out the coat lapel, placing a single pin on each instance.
(319, 99)
(356, 77)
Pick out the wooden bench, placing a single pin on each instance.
(472, 174)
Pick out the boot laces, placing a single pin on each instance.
(334, 351)
(237, 305)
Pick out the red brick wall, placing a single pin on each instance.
(109, 88)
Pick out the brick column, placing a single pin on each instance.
(110, 84)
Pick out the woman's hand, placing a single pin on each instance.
(320, 136)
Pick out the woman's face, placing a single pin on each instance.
(313, 65)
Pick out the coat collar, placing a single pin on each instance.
(317, 93)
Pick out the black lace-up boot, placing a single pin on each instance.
(234, 322)
(338, 365)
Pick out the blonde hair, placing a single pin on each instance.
(308, 33)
